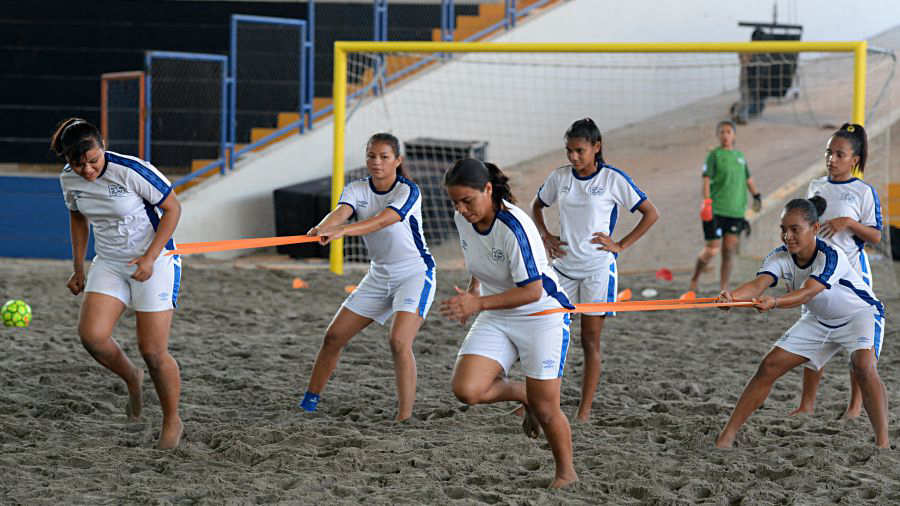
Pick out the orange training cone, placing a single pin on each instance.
(688, 295)
(624, 295)
(349, 288)
(299, 283)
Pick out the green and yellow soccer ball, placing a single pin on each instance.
(16, 313)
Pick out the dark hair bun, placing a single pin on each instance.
(820, 204)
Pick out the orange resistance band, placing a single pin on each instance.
(647, 305)
(206, 247)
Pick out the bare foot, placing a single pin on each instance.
(851, 413)
(565, 480)
(171, 435)
(530, 424)
(805, 410)
(400, 419)
(724, 441)
(583, 415)
(135, 397)
(520, 411)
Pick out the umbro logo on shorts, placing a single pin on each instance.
(164, 296)
(549, 364)
(409, 301)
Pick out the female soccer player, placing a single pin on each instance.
(852, 219)
(121, 198)
(511, 280)
(726, 181)
(401, 276)
(590, 195)
(842, 312)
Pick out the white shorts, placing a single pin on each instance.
(539, 342)
(159, 293)
(598, 288)
(819, 342)
(378, 298)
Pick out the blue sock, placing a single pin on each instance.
(310, 402)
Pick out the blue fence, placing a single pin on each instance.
(187, 106)
(306, 66)
(34, 221)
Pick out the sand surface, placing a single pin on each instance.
(246, 341)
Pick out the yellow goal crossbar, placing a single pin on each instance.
(858, 48)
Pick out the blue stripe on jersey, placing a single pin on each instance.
(522, 238)
(879, 223)
(551, 289)
(538, 196)
(564, 349)
(154, 220)
(144, 171)
(613, 217)
(631, 182)
(831, 259)
(413, 196)
(864, 295)
(420, 244)
(177, 284)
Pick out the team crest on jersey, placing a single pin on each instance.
(564, 189)
(116, 190)
(597, 190)
(848, 197)
(497, 255)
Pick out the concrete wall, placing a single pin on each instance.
(240, 205)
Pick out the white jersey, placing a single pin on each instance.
(508, 255)
(854, 199)
(588, 205)
(845, 293)
(399, 249)
(121, 205)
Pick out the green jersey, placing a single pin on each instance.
(728, 173)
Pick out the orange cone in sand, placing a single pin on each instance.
(624, 295)
(349, 288)
(299, 283)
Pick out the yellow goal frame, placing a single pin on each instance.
(339, 90)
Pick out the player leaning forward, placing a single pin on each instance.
(511, 280)
(842, 312)
(133, 212)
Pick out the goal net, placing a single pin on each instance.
(511, 104)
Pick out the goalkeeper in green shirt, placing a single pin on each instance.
(726, 180)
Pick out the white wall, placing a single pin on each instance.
(240, 205)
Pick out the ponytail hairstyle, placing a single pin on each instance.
(394, 143)
(476, 174)
(856, 135)
(586, 129)
(73, 138)
(810, 208)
